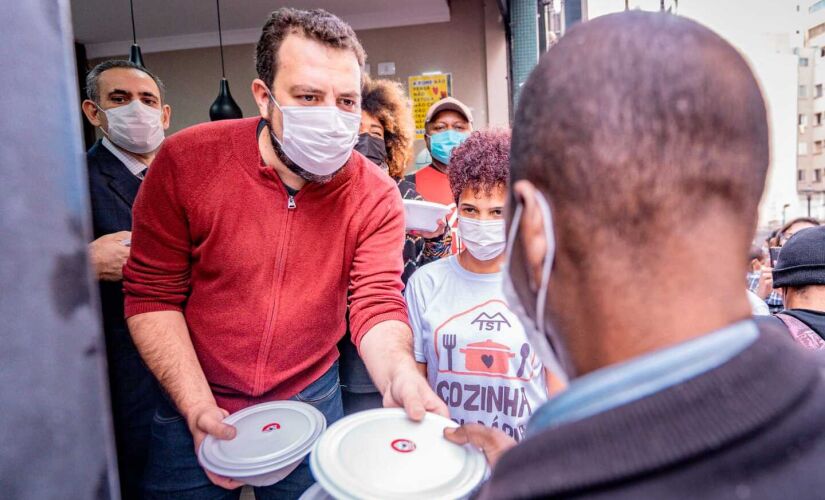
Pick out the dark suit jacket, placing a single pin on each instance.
(113, 189)
(133, 388)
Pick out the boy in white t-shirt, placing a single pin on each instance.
(467, 341)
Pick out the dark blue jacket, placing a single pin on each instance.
(134, 391)
(750, 428)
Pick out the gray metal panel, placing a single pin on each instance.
(524, 42)
(55, 430)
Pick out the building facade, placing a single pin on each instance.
(810, 174)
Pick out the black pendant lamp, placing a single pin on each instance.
(224, 107)
(134, 53)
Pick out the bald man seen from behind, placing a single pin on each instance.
(648, 132)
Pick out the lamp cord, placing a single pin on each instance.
(132, 9)
(220, 37)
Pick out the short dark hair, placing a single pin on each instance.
(808, 220)
(480, 163)
(637, 122)
(316, 24)
(755, 253)
(93, 77)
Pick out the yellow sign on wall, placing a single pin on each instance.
(424, 91)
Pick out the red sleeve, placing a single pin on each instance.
(375, 278)
(156, 276)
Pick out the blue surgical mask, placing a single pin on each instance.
(443, 143)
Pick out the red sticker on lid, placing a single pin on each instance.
(274, 426)
(403, 445)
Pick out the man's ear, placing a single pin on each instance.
(166, 116)
(531, 235)
(93, 114)
(260, 92)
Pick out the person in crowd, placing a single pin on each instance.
(248, 235)
(800, 273)
(761, 284)
(126, 103)
(756, 261)
(793, 227)
(447, 124)
(470, 345)
(757, 270)
(676, 391)
(385, 138)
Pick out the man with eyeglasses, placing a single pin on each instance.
(773, 297)
(126, 103)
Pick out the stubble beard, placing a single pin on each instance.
(291, 165)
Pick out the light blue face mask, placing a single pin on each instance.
(443, 143)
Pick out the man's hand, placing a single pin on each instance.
(108, 254)
(765, 286)
(408, 389)
(492, 442)
(208, 419)
(442, 226)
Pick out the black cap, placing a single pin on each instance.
(802, 260)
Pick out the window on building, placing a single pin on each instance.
(803, 61)
(822, 52)
(800, 175)
(818, 119)
(818, 90)
(817, 147)
(803, 91)
(817, 175)
(801, 119)
(816, 31)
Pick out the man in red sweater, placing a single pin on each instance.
(247, 236)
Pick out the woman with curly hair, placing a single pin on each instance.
(468, 343)
(386, 138)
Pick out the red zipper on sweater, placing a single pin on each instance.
(277, 286)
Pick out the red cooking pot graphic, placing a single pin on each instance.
(487, 357)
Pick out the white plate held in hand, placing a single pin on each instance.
(423, 215)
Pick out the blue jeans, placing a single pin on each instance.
(173, 471)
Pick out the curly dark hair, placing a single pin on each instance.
(481, 163)
(386, 102)
(316, 24)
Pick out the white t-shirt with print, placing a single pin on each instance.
(478, 358)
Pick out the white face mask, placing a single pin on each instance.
(484, 239)
(136, 127)
(319, 139)
(545, 340)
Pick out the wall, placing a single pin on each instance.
(460, 47)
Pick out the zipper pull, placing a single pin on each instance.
(290, 204)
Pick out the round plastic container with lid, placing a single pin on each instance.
(382, 454)
(271, 441)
